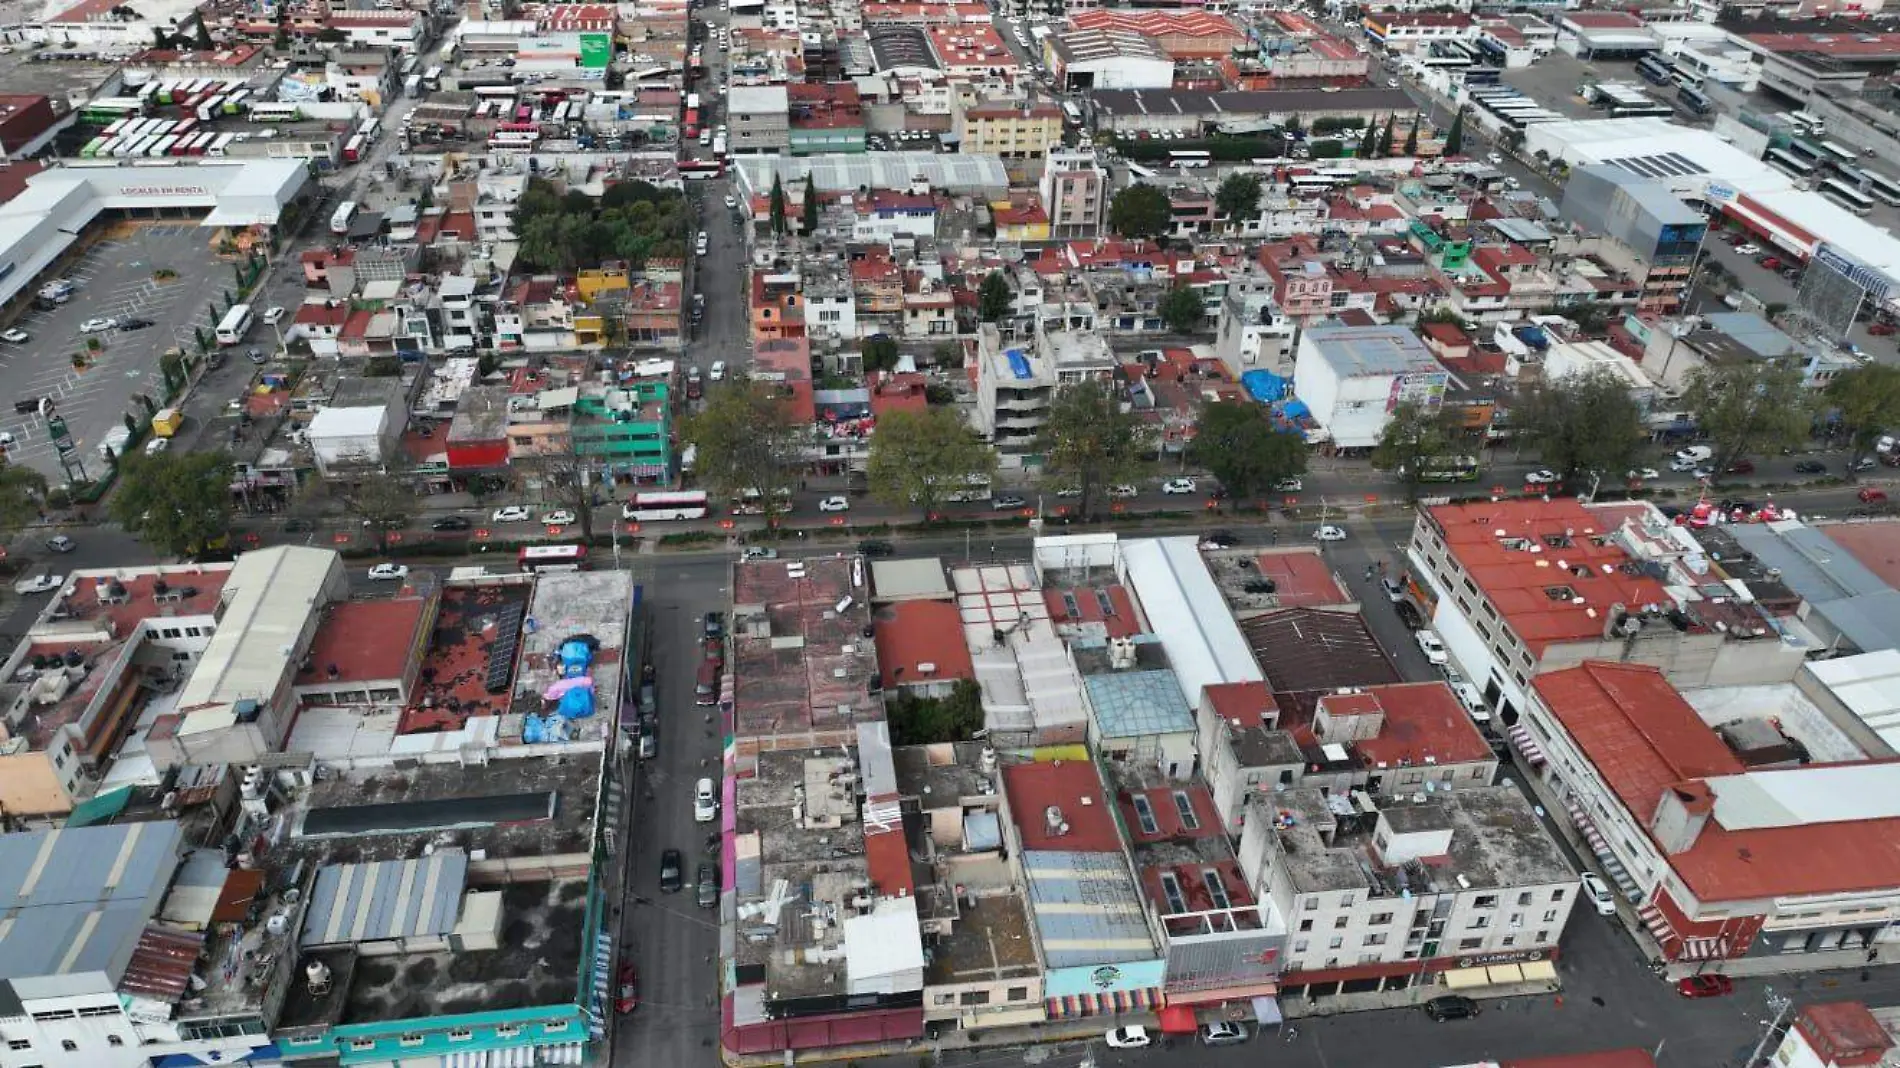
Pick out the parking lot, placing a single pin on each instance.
(113, 280)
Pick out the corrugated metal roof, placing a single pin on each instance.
(161, 963)
(268, 598)
(1184, 606)
(75, 900)
(838, 173)
(353, 903)
(1086, 908)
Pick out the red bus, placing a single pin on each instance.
(692, 123)
(353, 150)
(552, 558)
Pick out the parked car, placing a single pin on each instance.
(708, 886)
(1880, 328)
(133, 322)
(671, 872)
(157, 445)
(705, 801)
(1219, 539)
(1643, 474)
(16, 336)
(1740, 467)
(1008, 500)
(1748, 248)
(1711, 985)
(388, 573)
(1123, 492)
(560, 517)
(874, 547)
(1702, 474)
(94, 326)
(1394, 589)
(1289, 485)
(1330, 533)
(1541, 477)
(1810, 467)
(834, 504)
(1695, 454)
(1408, 615)
(40, 583)
(732, 202)
(60, 543)
(1178, 485)
(1870, 495)
(513, 513)
(1598, 893)
(626, 988)
(1134, 1036)
(450, 522)
(1433, 649)
(757, 553)
(1223, 1034)
(718, 371)
(1770, 263)
(272, 314)
(1451, 1007)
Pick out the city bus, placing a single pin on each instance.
(91, 148)
(511, 141)
(412, 86)
(204, 141)
(658, 507)
(1788, 164)
(693, 169)
(212, 106)
(552, 558)
(235, 324)
(1806, 150)
(1847, 196)
(1882, 188)
(1449, 469)
(353, 149)
(1695, 100)
(1814, 124)
(1189, 159)
(344, 215)
(107, 108)
(223, 142)
(163, 146)
(1838, 154)
(1653, 69)
(116, 127)
(432, 79)
(266, 111)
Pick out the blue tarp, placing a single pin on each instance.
(1296, 409)
(1264, 386)
(1018, 363)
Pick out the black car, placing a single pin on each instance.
(1810, 467)
(715, 624)
(131, 323)
(1408, 615)
(708, 886)
(671, 871)
(1225, 539)
(873, 547)
(26, 405)
(450, 522)
(1451, 1007)
(298, 526)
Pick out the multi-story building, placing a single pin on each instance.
(1351, 377)
(622, 431)
(1408, 31)
(1252, 333)
(1016, 383)
(1726, 338)
(824, 118)
(1180, 34)
(1013, 131)
(1839, 1034)
(1647, 230)
(1389, 894)
(1074, 191)
(778, 305)
(758, 119)
(1516, 588)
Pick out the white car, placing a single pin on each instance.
(1178, 485)
(1494, 159)
(1644, 474)
(732, 202)
(705, 802)
(39, 584)
(1289, 485)
(1433, 649)
(560, 517)
(1330, 533)
(1748, 249)
(514, 513)
(1696, 453)
(16, 336)
(1134, 1036)
(1598, 894)
(94, 326)
(388, 572)
(157, 445)
(272, 314)
(1122, 492)
(1679, 464)
(834, 504)
(1541, 477)
(756, 553)
(718, 371)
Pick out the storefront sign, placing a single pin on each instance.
(1105, 978)
(1518, 957)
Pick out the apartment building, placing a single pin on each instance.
(1074, 191)
(758, 119)
(1013, 131)
(1016, 383)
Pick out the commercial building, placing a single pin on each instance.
(1008, 130)
(1805, 65)
(1721, 857)
(1098, 59)
(803, 673)
(1350, 378)
(1649, 231)
(1517, 588)
(758, 119)
(1838, 1034)
(1133, 111)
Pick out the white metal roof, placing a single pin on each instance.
(1185, 608)
(1869, 685)
(1834, 794)
(347, 423)
(268, 599)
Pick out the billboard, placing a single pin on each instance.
(597, 50)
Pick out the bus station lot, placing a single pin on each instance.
(113, 280)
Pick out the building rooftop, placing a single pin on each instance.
(1549, 567)
(77, 899)
(1876, 545)
(590, 606)
(991, 941)
(905, 580)
(1138, 703)
(1844, 1033)
(1086, 908)
(470, 624)
(1253, 581)
(1304, 649)
(125, 597)
(367, 641)
(1422, 723)
(799, 663)
(1773, 833)
(1059, 805)
(1183, 861)
(921, 641)
(1366, 351)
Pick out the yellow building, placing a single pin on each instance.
(591, 284)
(1013, 131)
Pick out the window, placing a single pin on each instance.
(19, 1043)
(1377, 939)
(1336, 942)
(1216, 890)
(461, 1034)
(1171, 886)
(1145, 813)
(1524, 898)
(1340, 922)
(945, 999)
(554, 1027)
(1550, 916)
(1471, 943)
(410, 1040)
(1479, 923)
(361, 1045)
(976, 997)
(1380, 919)
(1018, 993)
(1508, 941)
(1485, 901)
(1299, 945)
(1345, 901)
(1557, 894)
(1312, 905)
(1306, 925)
(114, 1041)
(1184, 806)
(1543, 937)
(69, 1045)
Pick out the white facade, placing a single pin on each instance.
(346, 437)
(1350, 379)
(832, 314)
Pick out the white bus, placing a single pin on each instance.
(217, 147)
(1847, 196)
(412, 85)
(1788, 163)
(163, 146)
(1072, 113)
(432, 79)
(266, 111)
(1882, 188)
(658, 507)
(1839, 154)
(235, 324)
(1189, 159)
(1816, 126)
(514, 141)
(344, 215)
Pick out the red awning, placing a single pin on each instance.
(1178, 1020)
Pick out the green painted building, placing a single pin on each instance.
(625, 428)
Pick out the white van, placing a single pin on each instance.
(1695, 454)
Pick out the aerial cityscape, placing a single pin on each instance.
(683, 533)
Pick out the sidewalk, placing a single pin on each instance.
(1093, 1027)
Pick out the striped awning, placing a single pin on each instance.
(1612, 865)
(1106, 1003)
(1704, 949)
(1526, 745)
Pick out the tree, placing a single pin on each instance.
(1183, 309)
(919, 720)
(1455, 137)
(1747, 407)
(1089, 442)
(748, 441)
(879, 352)
(572, 480)
(1867, 400)
(1385, 138)
(1140, 210)
(1581, 424)
(382, 500)
(1292, 125)
(1414, 435)
(1368, 142)
(1238, 197)
(174, 501)
(631, 221)
(22, 498)
(994, 298)
(809, 207)
(1236, 443)
(920, 457)
(778, 207)
(1411, 138)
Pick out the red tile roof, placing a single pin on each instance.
(1616, 1058)
(1843, 1033)
(454, 672)
(893, 392)
(1876, 545)
(1067, 785)
(1303, 579)
(140, 595)
(365, 641)
(1530, 585)
(913, 633)
(1422, 719)
(1122, 624)
(1249, 702)
(1643, 738)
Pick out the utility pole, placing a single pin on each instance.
(1773, 1027)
